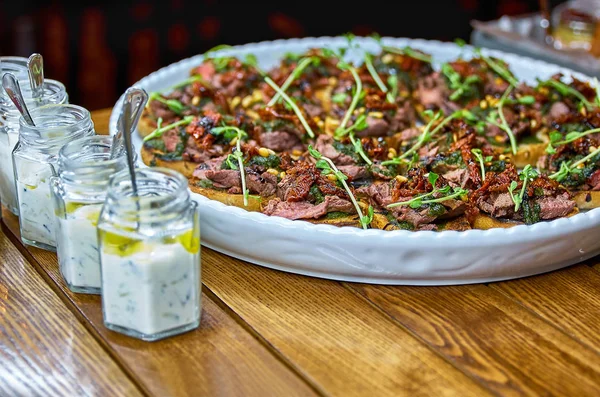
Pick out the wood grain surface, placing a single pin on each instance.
(44, 349)
(219, 358)
(493, 338)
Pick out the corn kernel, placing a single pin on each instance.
(233, 141)
(401, 179)
(282, 175)
(297, 152)
(294, 157)
(257, 96)
(404, 94)
(263, 151)
(332, 177)
(196, 101)
(533, 123)
(246, 101)
(271, 152)
(498, 80)
(377, 115)
(333, 81)
(502, 157)
(235, 101)
(581, 166)
(483, 104)
(392, 152)
(498, 138)
(544, 90)
(593, 148)
(583, 111)
(252, 114)
(273, 171)
(387, 58)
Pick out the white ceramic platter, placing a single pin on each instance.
(377, 256)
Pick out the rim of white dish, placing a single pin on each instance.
(579, 221)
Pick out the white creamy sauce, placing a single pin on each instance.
(36, 210)
(153, 290)
(8, 191)
(77, 246)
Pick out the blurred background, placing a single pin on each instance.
(98, 49)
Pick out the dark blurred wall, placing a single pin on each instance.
(98, 49)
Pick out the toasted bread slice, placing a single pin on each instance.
(485, 222)
(254, 203)
(150, 158)
(147, 124)
(587, 200)
(528, 153)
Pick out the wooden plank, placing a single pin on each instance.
(219, 358)
(44, 349)
(330, 334)
(569, 299)
(494, 339)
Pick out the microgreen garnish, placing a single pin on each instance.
(359, 124)
(500, 69)
(408, 52)
(357, 93)
(482, 160)
(237, 155)
(375, 76)
(461, 87)
(526, 175)
(567, 169)
(556, 138)
(303, 64)
(566, 90)
(526, 100)
(597, 99)
(173, 104)
(157, 133)
(503, 125)
(393, 83)
(447, 193)
(428, 133)
(292, 104)
(328, 167)
(339, 98)
(460, 42)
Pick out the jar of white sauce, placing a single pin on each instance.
(150, 255)
(54, 92)
(84, 168)
(35, 161)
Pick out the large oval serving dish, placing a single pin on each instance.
(377, 256)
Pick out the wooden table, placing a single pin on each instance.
(265, 332)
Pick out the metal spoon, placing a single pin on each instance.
(13, 89)
(135, 99)
(35, 66)
(125, 124)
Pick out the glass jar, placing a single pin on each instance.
(54, 93)
(150, 255)
(35, 161)
(79, 191)
(574, 24)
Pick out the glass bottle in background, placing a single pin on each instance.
(35, 161)
(150, 255)
(54, 93)
(84, 169)
(574, 23)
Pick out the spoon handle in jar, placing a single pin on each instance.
(135, 99)
(13, 89)
(35, 66)
(126, 131)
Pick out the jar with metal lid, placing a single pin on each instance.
(84, 168)
(35, 161)
(54, 93)
(150, 255)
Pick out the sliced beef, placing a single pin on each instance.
(379, 193)
(499, 205)
(409, 133)
(454, 208)
(324, 145)
(210, 165)
(158, 109)
(375, 127)
(313, 110)
(412, 216)
(432, 91)
(264, 184)
(354, 172)
(555, 207)
(457, 177)
(171, 138)
(224, 179)
(404, 118)
(595, 180)
(306, 210)
(280, 141)
(558, 110)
